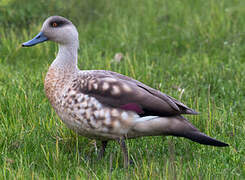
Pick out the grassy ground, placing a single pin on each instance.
(193, 45)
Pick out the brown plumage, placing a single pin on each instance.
(106, 105)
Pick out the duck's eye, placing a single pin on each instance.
(54, 24)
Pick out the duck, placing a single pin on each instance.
(106, 105)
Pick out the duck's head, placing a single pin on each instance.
(57, 29)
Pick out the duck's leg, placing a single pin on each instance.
(102, 149)
(123, 146)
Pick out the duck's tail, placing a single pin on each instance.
(175, 126)
(202, 138)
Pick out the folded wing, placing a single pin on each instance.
(115, 90)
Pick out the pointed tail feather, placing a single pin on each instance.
(202, 138)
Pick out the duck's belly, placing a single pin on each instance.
(88, 117)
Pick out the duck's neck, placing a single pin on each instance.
(66, 59)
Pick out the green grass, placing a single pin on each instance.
(197, 46)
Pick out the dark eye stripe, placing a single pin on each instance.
(59, 23)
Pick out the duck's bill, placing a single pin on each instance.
(37, 39)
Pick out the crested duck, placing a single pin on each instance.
(106, 105)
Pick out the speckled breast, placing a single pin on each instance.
(83, 113)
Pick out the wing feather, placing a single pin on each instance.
(119, 91)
